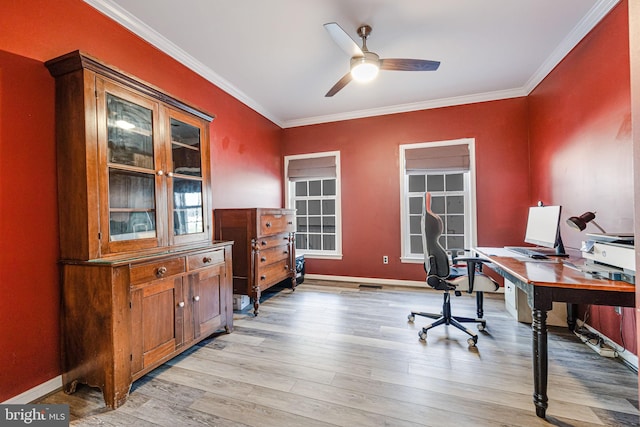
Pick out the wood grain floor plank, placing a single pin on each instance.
(203, 381)
(258, 364)
(418, 414)
(250, 413)
(339, 414)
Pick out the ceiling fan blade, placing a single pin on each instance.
(343, 40)
(338, 86)
(397, 64)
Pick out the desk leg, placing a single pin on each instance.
(540, 361)
(572, 315)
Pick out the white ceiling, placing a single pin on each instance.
(276, 57)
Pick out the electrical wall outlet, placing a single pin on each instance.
(385, 259)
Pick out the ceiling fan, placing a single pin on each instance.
(366, 64)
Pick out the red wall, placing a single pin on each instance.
(581, 146)
(29, 313)
(245, 147)
(369, 151)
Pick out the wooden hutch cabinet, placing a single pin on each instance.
(142, 279)
(264, 249)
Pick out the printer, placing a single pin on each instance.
(612, 256)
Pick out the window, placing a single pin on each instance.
(313, 190)
(445, 170)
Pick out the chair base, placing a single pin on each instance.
(445, 318)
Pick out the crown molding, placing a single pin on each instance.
(586, 24)
(404, 108)
(133, 24)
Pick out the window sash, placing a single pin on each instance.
(462, 145)
(449, 239)
(326, 240)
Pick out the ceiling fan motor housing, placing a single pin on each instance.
(365, 68)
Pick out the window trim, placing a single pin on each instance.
(404, 225)
(288, 197)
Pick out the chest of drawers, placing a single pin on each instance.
(264, 249)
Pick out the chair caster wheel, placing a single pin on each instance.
(411, 318)
(482, 326)
(422, 335)
(472, 341)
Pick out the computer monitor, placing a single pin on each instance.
(543, 227)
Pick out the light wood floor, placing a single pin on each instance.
(346, 356)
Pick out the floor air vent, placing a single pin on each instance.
(365, 286)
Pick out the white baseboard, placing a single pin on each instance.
(352, 279)
(375, 281)
(36, 392)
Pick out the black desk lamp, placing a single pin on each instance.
(580, 222)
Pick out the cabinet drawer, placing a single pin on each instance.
(275, 223)
(156, 270)
(269, 256)
(269, 274)
(263, 243)
(205, 259)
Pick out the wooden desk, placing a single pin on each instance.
(546, 281)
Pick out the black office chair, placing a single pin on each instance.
(445, 277)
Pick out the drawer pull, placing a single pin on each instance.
(268, 224)
(286, 267)
(196, 298)
(286, 252)
(264, 243)
(206, 259)
(290, 222)
(181, 304)
(263, 277)
(161, 271)
(263, 259)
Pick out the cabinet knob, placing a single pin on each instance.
(196, 298)
(286, 252)
(263, 259)
(264, 243)
(161, 271)
(268, 224)
(206, 259)
(290, 222)
(263, 277)
(169, 174)
(181, 304)
(160, 173)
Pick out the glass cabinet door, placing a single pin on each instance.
(130, 171)
(187, 196)
(130, 156)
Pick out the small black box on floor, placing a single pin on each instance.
(299, 269)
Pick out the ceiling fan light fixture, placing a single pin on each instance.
(365, 68)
